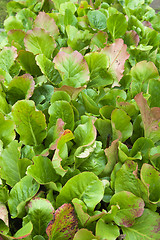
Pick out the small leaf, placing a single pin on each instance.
(84, 234)
(97, 19)
(7, 133)
(107, 231)
(21, 87)
(7, 57)
(28, 63)
(85, 186)
(30, 123)
(65, 223)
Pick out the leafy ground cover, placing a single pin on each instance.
(80, 120)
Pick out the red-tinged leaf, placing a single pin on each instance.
(117, 54)
(150, 118)
(72, 67)
(64, 223)
(131, 38)
(4, 213)
(112, 156)
(47, 23)
(73, 92)
(65, 137)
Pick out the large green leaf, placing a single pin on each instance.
(30, 123)
(85, 186)
(117, 25)
(72, 67)
(145, 227)
(39, 41)
(20, 194)
(42, 170)
(13, 168)
(40, 213)
(141, 73)
(7, 57)
(84, 234)
(130, 207)
(61, 109)
(154, 91)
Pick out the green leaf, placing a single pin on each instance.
(84, 218)
(26, 16)
(145, 227)
(20, 194)
(60, 95)
(98, 63)
(133, 4)
(98, 40)
(12, 23)
(154, 91)
(78, 40)
(72, 68)
(151, 179)
(84, 234)
(42, 170)
(64, 225)
(24, 231)
(28, 63)
(141, 73)
(40, 213)
(47, 23)
(85, 134)
(7, 58)
(61, 109)
(30, 124)
(4, 194)
(16, 38)
(97, 20)
(4, 106)
(21, 87)
(121, 124)
(13, 168)
(130, 207)
(90, 158)
(39, 41)
(128, 174)
(47, 68)
(117, 25)
(85, 186)
(107, 230)
(7, 133)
